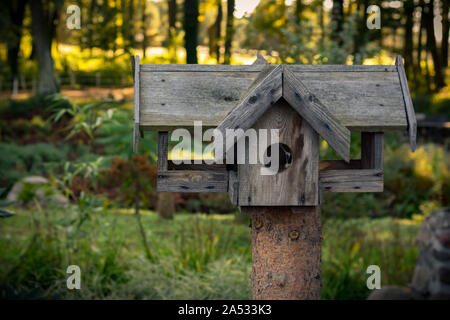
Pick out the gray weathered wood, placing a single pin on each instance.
(296, 185)
(233, 187)
(163, 151)
(196, 167)
(192, 181)
(260, 96)
(372, 150)
(360, 100)
(135, 67)
(259, 67)
(317, 114)
(410, 114)
(364, 180)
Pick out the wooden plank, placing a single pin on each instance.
(201, 167)
(260, 96)
(372, 150)
(317, 114)
(296, 185)
(163, 151)
(366, 101)
(410, 114)
(136, 81)
(258, 68)
(364, 180)
(192, 181)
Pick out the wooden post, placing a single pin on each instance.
(286, 252)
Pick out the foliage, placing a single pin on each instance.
(196, 257)
(18, 161)
(125, 177)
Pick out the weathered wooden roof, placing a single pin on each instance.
(360, 97)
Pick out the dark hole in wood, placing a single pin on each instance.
(284, 156)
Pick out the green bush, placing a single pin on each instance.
(18, 161)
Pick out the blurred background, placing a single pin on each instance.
(72, 192)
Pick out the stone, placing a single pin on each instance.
(35, 180)
(57, 200)
(13, 194)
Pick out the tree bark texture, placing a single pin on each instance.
(42, 41)
(286, 252)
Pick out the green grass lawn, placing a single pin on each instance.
(194, 256)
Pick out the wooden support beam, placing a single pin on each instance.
(372, 150)
(192, 181)
(163, 151)
(410, 114)
(364, 180)
(264, 91)
(317, 115)
(286, 252)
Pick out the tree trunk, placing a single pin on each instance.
(42, 40)
(445, 32)
(337, 17)
(229, 31)
(298, 11)
(408, 10)
(172, 5)
(16, 12)
(286, 252)
(214, 33)
(431, 45)
(191, 30)
(143, 27)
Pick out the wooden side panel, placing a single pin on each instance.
(366, 98)
(192, 181)
(368, 180)
(136, 81)
(409, 108)
(298, 184)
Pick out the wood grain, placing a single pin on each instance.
(192, 181)
(316, 113)
(372, 145)
(410, 114)
(136, 120)
(364, 180)
(360, 97)
(298, 184)
(286, 252)
(260, 96)
(163, 151)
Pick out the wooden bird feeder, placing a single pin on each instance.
(303, 102)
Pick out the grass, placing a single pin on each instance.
(196, 256)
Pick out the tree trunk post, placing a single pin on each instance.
(286, 252)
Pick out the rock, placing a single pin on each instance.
(394, 293)
(57, 200)
(432, 273)
(35, 180)
(47, 194)
(13, 194)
